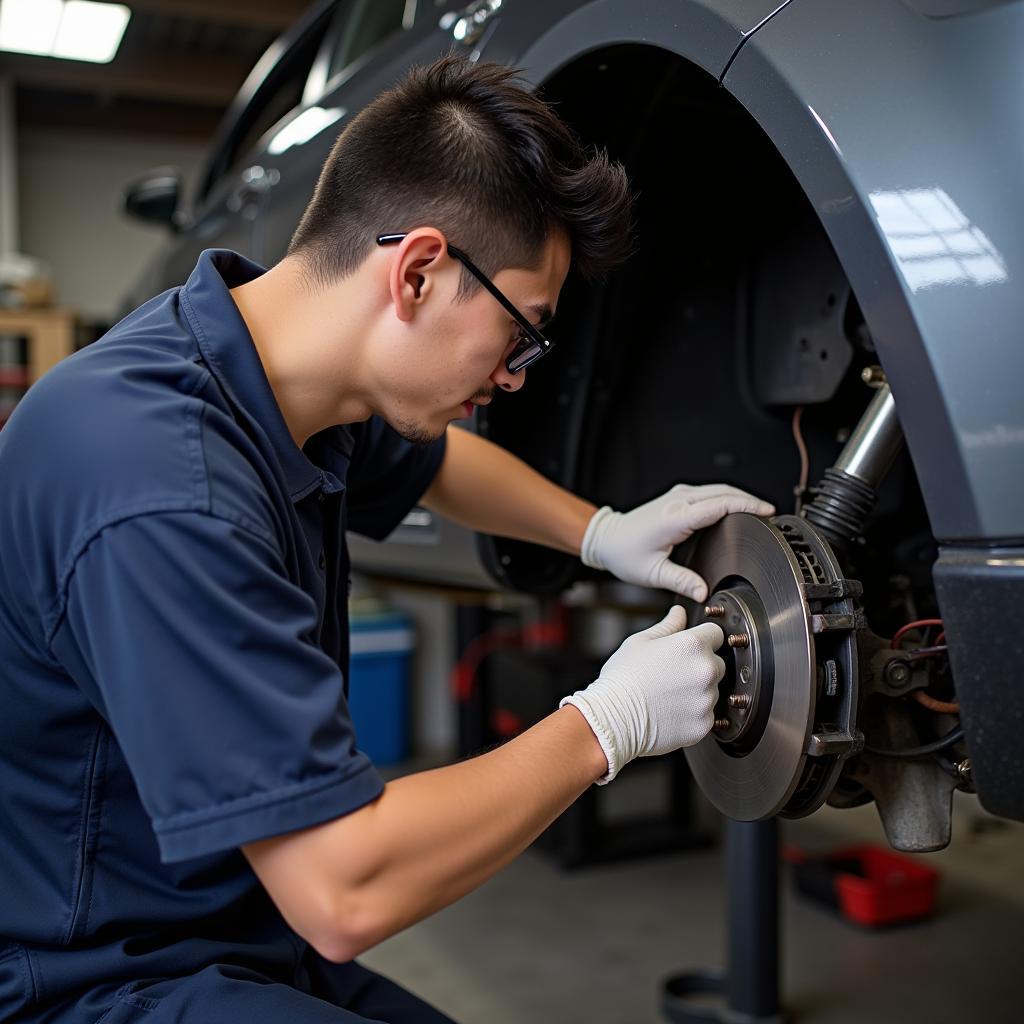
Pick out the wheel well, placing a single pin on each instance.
(687, 363)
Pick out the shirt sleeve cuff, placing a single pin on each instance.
(288, 809)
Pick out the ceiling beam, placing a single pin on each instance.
(269, 14)
(201, 79)
(137, 118)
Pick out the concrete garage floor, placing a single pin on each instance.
(540, 945)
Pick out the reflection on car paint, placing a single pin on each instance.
(999, 436)
(824, 127)
(310, 123)
(934, 241)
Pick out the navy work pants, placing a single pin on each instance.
(337, 994)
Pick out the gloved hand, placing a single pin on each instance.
(656, 693)
(636, 545)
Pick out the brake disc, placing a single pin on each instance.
(784, 721)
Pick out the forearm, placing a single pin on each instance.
(447, 831)
(429, 839)
(484, 487)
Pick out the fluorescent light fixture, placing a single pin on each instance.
(90, 31)
(301, 129)
(29, 26)
(73, 29)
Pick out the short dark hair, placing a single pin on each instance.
(468, 149)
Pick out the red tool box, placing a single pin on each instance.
(869, 885)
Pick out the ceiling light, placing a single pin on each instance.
(90, 31)
(73, 29)
(29, 26)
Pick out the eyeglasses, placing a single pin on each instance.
(531, 345)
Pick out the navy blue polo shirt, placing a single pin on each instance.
(174, 645)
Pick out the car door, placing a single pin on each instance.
(369, 45)
(235, 187)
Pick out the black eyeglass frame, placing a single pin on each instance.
(529, 349)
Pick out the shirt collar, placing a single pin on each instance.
(227, 348)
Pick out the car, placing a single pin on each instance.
(824, 290)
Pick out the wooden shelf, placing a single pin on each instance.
(50, 334)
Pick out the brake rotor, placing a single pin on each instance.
(784, 719)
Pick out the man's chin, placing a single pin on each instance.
(417, 433)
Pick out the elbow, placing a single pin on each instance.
(345, 929)
(339, 905)
(337, 949)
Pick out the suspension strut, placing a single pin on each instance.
(846, 495)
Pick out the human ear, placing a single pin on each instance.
(413, 269)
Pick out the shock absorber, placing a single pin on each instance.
(846, 495)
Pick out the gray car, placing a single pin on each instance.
(830, 236)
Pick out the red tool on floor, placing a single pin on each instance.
(869, 885)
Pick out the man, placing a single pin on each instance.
(190, 832)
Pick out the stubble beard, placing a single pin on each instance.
(419, 435)
(415, 433)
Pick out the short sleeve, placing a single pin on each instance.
(387, 476)
(186, 633)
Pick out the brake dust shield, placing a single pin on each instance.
(784, 719)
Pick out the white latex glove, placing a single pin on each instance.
(656, 693)
(636, 545)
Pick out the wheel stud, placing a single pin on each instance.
(738, 640)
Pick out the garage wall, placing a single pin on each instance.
(70, 196)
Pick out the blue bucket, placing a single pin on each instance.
(378, 689)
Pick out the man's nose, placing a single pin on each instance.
(508, 381)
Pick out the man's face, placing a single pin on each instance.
(461, 347)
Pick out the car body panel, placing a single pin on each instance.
(541, 38)
(263, 77)
(954, 8)
(908, 147)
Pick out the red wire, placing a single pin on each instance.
(913, 625)
(941, 706)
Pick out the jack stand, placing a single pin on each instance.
(749, 987)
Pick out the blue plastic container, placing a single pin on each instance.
(378, 689)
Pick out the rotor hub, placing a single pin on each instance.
(743, 620)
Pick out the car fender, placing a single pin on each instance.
(903, 132)
(705, 32)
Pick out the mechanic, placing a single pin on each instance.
(189, 829)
